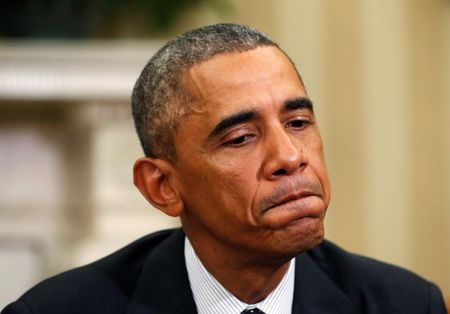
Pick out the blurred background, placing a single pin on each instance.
(378, 72)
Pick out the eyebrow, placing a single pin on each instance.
(232, 120)
(298, 103)
(245, 116)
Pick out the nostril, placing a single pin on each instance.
(279, 172)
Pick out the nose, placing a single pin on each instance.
(284, 154)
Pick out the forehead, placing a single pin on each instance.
(256, 77)
(259, 81)
(249, 77)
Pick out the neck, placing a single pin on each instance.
(251, 284)
(245, 276)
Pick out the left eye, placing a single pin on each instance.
(297, 124)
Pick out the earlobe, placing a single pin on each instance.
(152, 178)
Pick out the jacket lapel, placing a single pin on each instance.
(315, 292)
(164, 285)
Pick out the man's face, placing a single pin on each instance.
(250, 167)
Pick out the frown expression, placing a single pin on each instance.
(250, 167)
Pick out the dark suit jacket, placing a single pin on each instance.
(149, 276)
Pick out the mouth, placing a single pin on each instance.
(294, 207)
(292, 197)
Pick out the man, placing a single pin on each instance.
(232, 148)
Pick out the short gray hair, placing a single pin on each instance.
(159, 101)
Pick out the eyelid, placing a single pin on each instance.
(245, 139)
(303, 119)
(236, 134)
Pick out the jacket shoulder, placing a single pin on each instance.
(104, 286)
(376, 285)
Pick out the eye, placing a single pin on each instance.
(298, 123)
(239, 141)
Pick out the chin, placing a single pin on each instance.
(286, 243)
(289, 242)
(304, 235)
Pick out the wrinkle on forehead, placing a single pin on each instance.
(229, 78)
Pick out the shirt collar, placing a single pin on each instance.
(211, 297)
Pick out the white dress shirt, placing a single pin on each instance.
(211, 297)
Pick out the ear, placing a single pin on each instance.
(152, 176)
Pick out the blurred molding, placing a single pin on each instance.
(71, 70)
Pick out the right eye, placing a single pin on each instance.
(239, 141)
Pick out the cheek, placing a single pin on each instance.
(318, 165)
(228, 187)
(237, 183)
(235, 188)
(313, 147)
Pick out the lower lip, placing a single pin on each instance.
(292, 211)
